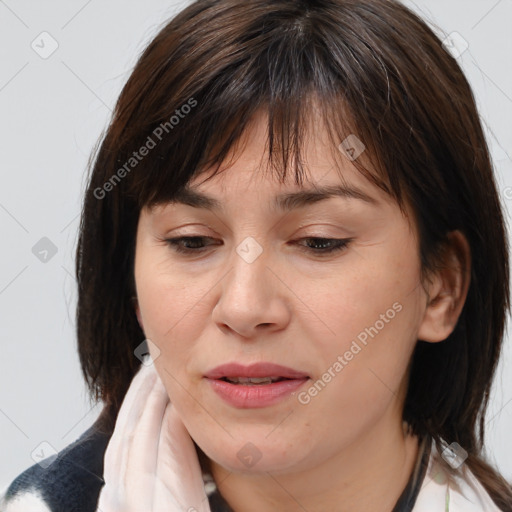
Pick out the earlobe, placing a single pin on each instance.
(447, 290)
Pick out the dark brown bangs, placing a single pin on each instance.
(288, 70)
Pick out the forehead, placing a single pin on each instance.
(283, 197)
(326, 165)
(327, 170)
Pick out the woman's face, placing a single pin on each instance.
(255, 285)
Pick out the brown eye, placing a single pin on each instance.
(325, 245)
(188, 244)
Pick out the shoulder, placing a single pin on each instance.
(69, 481)
(449, 490)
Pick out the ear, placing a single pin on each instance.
(447, 290)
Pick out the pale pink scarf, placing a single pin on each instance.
(151, 464)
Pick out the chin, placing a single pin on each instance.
(260, 464)
(254, 454)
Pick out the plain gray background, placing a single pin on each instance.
(52, 111)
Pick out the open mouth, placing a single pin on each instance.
(253, 381)
(256, 385)
(256, 392)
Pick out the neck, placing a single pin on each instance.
(370, 474)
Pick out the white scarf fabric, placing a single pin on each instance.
(445, 491)
(151, 464)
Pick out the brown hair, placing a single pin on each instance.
(374, 69)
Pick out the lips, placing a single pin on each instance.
(272, 371)
(255, 386)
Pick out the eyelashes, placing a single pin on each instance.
(182, 244)
(194, 245)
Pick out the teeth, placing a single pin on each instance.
(252, 380)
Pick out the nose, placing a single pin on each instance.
(253, 299)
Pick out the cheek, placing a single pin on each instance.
(167, 298)
(373, 317)
(170, 309)
(176, 309)
(374, 295)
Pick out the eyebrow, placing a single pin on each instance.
(284, 202)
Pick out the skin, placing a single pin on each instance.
(346, 449)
